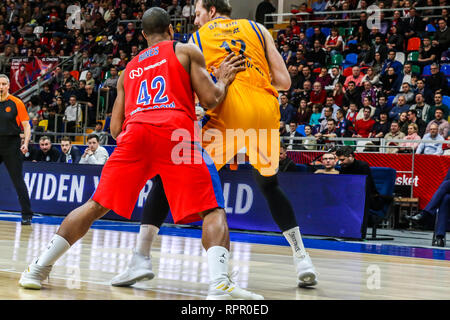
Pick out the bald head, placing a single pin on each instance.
(155, 21)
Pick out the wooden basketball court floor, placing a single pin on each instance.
(264, 262)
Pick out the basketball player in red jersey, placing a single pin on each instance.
(155, 98)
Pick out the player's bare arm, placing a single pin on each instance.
(280, 75)
(210, 94)
(118, 112)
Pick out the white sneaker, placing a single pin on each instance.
(33, 276)
(306, 273)
(139, 268)
(228, 290)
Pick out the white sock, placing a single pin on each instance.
(55, 249)
(217, 263)
(147, 234)
(294, 238)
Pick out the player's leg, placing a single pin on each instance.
(73, 228)
(155, 211)
(109, 195)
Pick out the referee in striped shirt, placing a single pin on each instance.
(13, 115)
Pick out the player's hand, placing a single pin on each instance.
(24, 148)
(229, 68)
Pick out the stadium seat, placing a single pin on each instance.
(351, 58)
(116, 61)
(400, 57)
(347, 72)
(445, 69)
(75, 74)
(384, 179)
(301, 167)
(415, 69)
(309, 32)
(430, 28)
(413, 44)
(326, 31)
(446, 101)
(413, 56)
(352, 42)
(83, 75)
(43, 123)
(427, 70)
(337, 59)
(389, 101)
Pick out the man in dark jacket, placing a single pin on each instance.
(47, 152)
(69, 154)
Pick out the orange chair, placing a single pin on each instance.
(75, 74)
(413, 44)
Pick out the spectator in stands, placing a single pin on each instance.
(305, 93)
(364, 126)
(329, 102)
(431, 148)
(329, 164)
(394, 134)
(316, 114)
(406, 92)
(46, 95)
(380, 48)
(305, 76)
(438, 206)
(441, 122)
(283, 130)
(344, 126)
(352, 113)
(327, 115)
(90, 81)
(324, 77)
(47, 152)
(402, 118)
(338, 94)
(287, 111)
(334, 44)
(355, 77)
(381, 106)
(94, 153)
(294, 90)
(329, 132)
(390, 62)
(372, 78)
(310, 143)
(286, 53)
(390, 82)
(69, 153)
(441, 40)
(427, 53)
(174, 9)
(426, 93)
(407, 74)
(369, 91)
(265, 7)
(365, 55)
(367, 102)
(414, 24)
(69, 91)
(381, 127)
(286, 164)
(303, 113)
(102, 135)
(188, 10)
(33, 106)
(420, 107)
(413, 119)
(395, 40)
(352, 94)
(72, 114)
(317, 56)
(319, 36)
(318, 95)
(90, 97)
(408, 147)
(293, 144)
(110, 85)
(437, 80)
(336, 77)
(437, 104)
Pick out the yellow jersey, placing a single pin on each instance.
(222, 36)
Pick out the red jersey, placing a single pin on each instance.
(158, 89)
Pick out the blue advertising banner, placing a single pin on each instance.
(325, 205)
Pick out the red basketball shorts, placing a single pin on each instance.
(189, 177)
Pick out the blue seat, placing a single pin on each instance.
(445, 69)
(301, 129)
(301, 167)
(352, 42)
(384, 179)
(389, 101)
(427, 70)
(446, 101)
(351, 59)
(430, 28)
(309, 32)
(326, 31)
(185, 38)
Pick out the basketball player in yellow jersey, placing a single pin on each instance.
(248, 117)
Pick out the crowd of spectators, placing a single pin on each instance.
(106, 39)
(389, 83)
